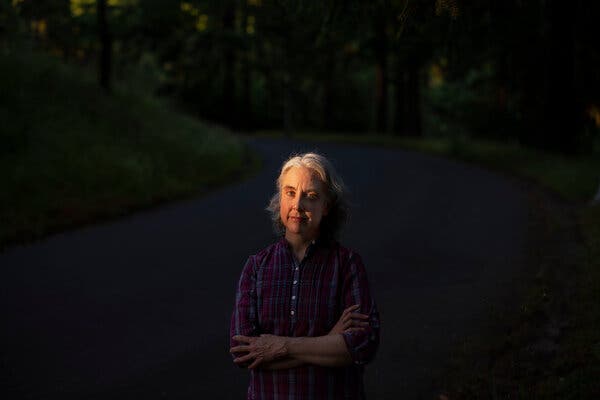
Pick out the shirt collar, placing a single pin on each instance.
(316, 244)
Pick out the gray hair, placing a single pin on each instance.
(333, 222)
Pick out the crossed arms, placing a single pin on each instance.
(280, 352)
(354, 338)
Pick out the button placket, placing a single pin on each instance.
(295, 289)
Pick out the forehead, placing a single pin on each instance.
(302, 176)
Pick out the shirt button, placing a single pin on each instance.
(293, 297)
(296, 268)
(292, 312)
(295, 282)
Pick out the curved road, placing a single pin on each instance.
(140, 307)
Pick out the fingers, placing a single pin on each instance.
(243, 359)
(244, 339)
(354, 316)
(250, 357)
(359, 323)
(354, 330)
(256, 363)
(239, 349)
(352, 323)
(348, 312)
(351, 308)
(351, 319)
(359, 316)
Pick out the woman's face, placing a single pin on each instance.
(303, 203)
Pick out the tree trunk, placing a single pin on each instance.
(413, 99)
(288, 104)
(400, 121)
(381, 74)
(408, 99)
(564, 101)
(288, 94)
(328, 92)
(228, 112)
(104, 65)
(246, 100)
(561, 121)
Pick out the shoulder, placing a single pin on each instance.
(343, 251)
(346, 255)
(263, 256)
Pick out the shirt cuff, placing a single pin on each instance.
(361, 345)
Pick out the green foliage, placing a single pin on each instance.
(71, 153)
(471, 105)
(510, 70)
(143, 76)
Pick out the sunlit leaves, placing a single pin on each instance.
(250, 25)
(80, 7)
(39, 27)
(436, 76)
(202, 22)
(447, 6)
(188, 8)
(201, 19)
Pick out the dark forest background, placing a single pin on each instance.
(517, 71)
(110, 106)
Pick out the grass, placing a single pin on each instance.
(583, 345)
(550, 347)
(71, 154)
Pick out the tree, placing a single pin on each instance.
(105, 41)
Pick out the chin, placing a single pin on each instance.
(293, 229)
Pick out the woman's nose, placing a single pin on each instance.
(297, 203)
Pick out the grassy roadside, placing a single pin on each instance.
(550, 347)
(547, 348)
(71, 154)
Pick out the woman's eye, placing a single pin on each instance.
(290, 193)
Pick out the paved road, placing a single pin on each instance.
(140, 307)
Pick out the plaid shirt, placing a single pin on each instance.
(279, 296)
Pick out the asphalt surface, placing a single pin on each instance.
(140, 307)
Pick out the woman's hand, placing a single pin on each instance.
(350, 321)
(261, 349)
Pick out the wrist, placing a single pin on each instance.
(291, 345)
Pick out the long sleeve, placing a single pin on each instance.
(299, 301)
(244, 319)
(362, 345)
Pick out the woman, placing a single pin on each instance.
(304, 322)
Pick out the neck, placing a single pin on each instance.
(299, 244)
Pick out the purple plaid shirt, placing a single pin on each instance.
(279, 296)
